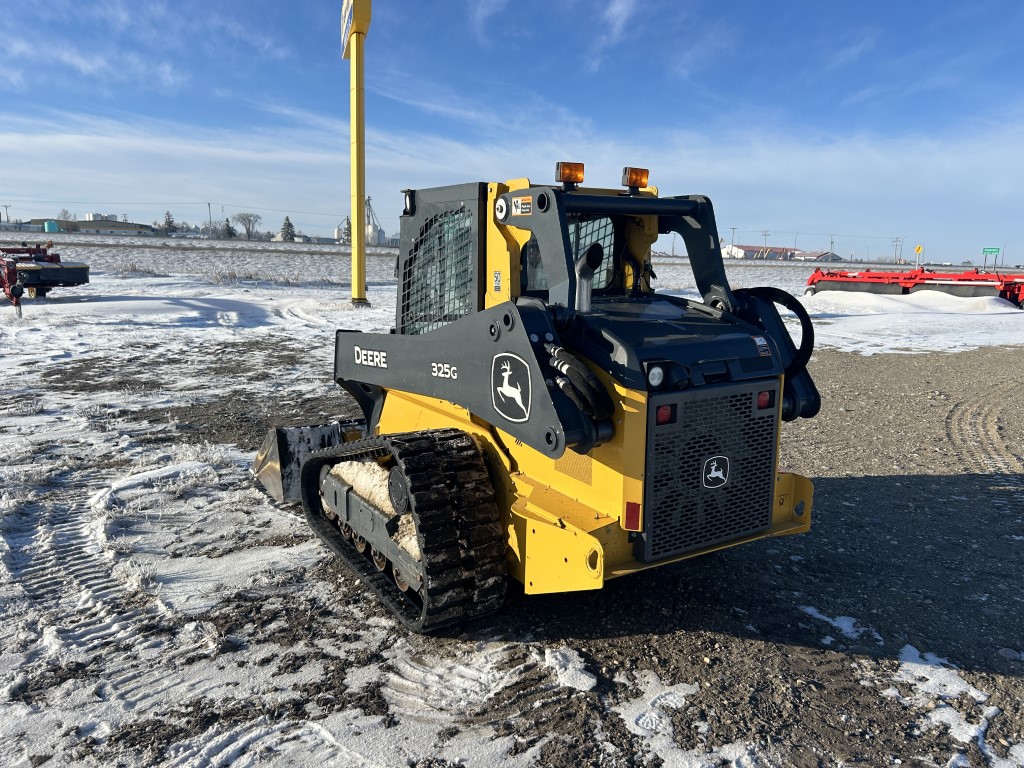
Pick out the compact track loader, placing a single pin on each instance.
(539, 412)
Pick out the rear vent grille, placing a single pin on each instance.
(719, 433)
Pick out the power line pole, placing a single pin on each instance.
(831, 243)
(732, 242)
(765, 233)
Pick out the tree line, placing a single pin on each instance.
(248, 226)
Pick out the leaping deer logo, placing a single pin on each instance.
(510, 390)
(506, 390)
(716, 472)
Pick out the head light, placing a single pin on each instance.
(655, 376)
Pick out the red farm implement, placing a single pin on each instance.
(974, 282)
(34, 271)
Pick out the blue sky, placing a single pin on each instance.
(864, 121)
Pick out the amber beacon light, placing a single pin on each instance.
(635, 177)
(569, 173)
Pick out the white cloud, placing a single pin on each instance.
(481, 11)
(849, 53)
(949, 192)
(12, 79)
(617, 14)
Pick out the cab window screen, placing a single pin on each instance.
(585, 232)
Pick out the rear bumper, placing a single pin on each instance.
(549, 554)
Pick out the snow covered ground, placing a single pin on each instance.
(158, 609)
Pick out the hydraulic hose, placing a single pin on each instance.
(778, 296)
(580, 383)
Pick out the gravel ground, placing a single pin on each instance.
(890, 634)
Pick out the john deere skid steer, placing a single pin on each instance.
(540, 413)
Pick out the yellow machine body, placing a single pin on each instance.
(566, 518)
(540, 412)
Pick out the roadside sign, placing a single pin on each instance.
(355, 19)
(918, 249)
(990, 251)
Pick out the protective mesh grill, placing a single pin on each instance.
(437, 279)
(681, 513)
(583, 234)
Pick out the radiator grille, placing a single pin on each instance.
(682, 513)
(438, 278)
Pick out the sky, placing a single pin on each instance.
(821, 124)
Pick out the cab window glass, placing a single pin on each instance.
(584, 232)
(533, 267)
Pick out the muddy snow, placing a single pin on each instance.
(159, 609)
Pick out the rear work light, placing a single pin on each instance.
(765, 399)
(635, 177)
(569, 173)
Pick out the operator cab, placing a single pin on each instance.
(616, 222)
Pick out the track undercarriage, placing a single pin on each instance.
(454, 567)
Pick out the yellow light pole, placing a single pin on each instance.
(355, 21)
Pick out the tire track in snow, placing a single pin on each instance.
(254, 742)
(494, 682)
(63, 567)
(973, 429)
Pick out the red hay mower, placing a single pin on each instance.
(973, 282)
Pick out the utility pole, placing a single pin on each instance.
(732, 242)
(8, 213)
(765, 233)
(209, 212)
(831, 243)
(895, 246)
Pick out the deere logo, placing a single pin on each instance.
(510, 386)
(716, 472)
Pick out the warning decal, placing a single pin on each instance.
(522, 206)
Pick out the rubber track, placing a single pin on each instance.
(481, 538)
(452, 504)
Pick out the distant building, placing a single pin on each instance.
(819, 256)
(769, 252)
(103, 225)
(21, 226)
